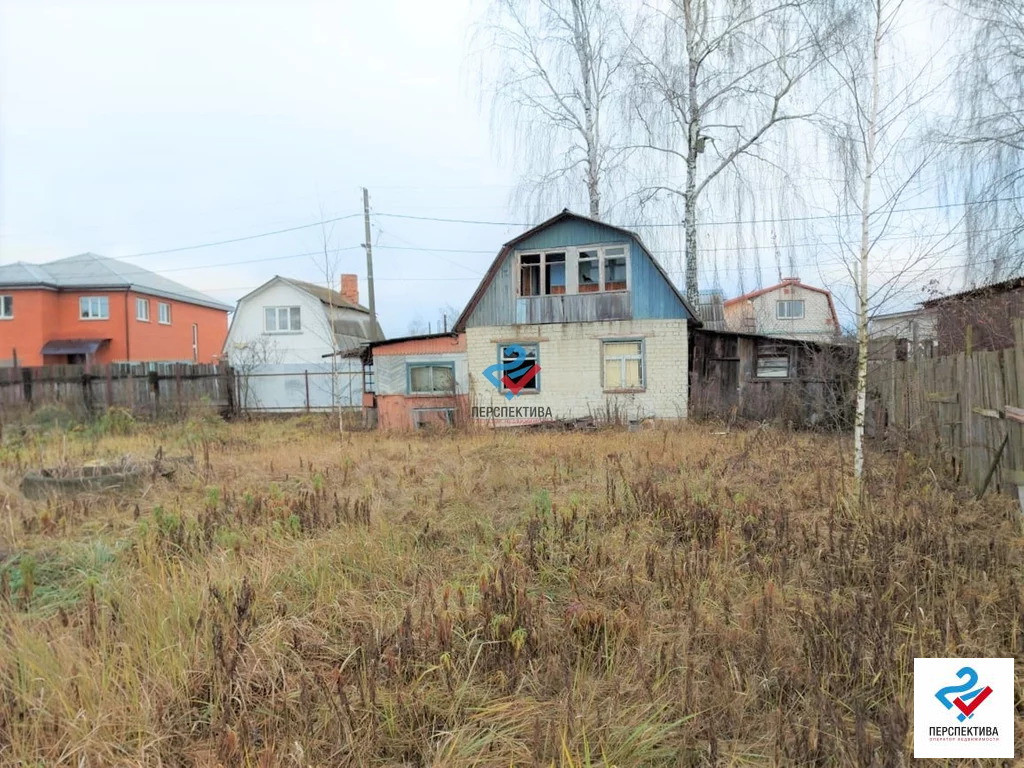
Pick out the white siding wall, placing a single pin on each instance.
(571, 365)
(307, 346)
(389, 371)
(815, 324)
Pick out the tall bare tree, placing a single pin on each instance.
(988, 135)
(712, 80)
(875, 125)
(555, 74)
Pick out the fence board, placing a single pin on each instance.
(968, 408)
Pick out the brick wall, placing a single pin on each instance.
(571, 362)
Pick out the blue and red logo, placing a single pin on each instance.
(970, 697)
(516, 371)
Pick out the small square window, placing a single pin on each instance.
(772, 361)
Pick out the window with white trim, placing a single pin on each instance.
(614, 268)
(93, 308)
(524, 370)
(142, 310)
(163, 310)
(431, 378)
(542, 274)
(789, 309)
(623, 364)
(6, 307)
(588, 271)
(282, 319)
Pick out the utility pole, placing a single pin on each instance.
(368, 245)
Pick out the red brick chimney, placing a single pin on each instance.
(350, 288)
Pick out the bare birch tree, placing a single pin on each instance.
(875, 124)
(712, 80)
(557, 67)
(988, 136)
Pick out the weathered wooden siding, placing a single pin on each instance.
(580, 308)
(650, 296)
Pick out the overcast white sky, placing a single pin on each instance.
(144, 125)
(129, 127)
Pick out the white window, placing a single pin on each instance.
(281, 319)
(6, 307)
(520, 369)
(142, 310)
(789, 309)
(542, 274)
(431, 379)
(624, 364)
(615, 268)
(93, 308)
(588, 270)
(772, 361)
(163, 312)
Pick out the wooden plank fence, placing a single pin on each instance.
(967, 408)
(160, 389)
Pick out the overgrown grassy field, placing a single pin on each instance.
(674, 597)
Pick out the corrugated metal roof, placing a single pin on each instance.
(91, 271)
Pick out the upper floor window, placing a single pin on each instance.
(789, 309)
(93, 308)
(574, 270)
(142, 310)
(431, 378)
(6, 307)
(163, 312)
(281, 319)
(541, 274)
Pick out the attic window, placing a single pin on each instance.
(541, 274)
(282, 319)
(790, 309)
(615, 269)
(589, 272)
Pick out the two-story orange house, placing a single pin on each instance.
(89, 308)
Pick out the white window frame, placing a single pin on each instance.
(142, 310)
(533, 387)
(6, 306)
(642, 357)
(542, 265)
(160, 307)
(287, 314)
(572, 266)
(87, 303)
(431, 364)
(779, 315)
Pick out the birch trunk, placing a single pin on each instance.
(692, 136)
(865, 246)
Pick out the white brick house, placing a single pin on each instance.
(790, 309)
(584, 322)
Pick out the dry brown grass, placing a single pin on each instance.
(665, 597)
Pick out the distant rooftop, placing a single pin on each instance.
(90, 271)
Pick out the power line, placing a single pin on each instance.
(241, 239)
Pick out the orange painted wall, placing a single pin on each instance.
(422, 346)
(154, 341)
(41, 316)
(394, 412)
